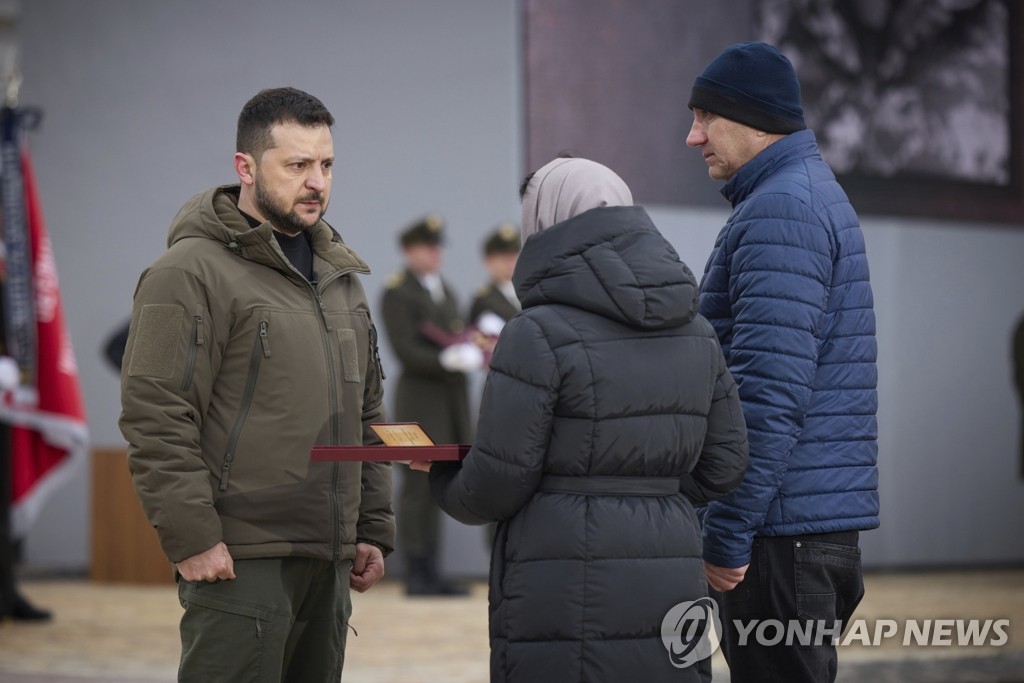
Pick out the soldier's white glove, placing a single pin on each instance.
(490, 324)
(464, 357)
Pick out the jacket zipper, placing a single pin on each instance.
(375, 351)
(260, 348)
(264, 339)
(332, 384)
(194, 342)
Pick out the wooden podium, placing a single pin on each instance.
(124, 544)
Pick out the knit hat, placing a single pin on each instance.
(753, 84)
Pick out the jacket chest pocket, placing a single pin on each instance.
(260, 350)
(349, 355)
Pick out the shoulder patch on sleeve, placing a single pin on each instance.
(156, 341)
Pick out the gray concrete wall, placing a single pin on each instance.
(947, 297)
(141, 100)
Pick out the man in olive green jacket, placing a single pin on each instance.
(251, 342)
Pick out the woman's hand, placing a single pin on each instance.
(421, 465)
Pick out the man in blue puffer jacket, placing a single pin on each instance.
(787, 291)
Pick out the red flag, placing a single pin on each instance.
(49, 430)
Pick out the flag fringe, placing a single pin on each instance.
(59, 431)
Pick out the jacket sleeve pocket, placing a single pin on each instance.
(156, 341)
(349, 355)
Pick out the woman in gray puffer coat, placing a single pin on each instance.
(607, 412)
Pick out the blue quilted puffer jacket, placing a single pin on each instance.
(787, 291)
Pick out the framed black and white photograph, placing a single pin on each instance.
(915, 103)
(918, 105)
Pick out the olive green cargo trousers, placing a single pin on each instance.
(281, 619)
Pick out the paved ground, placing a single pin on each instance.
(122, 634)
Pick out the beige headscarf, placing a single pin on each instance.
(566, 188)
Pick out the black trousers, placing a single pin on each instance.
(792, 580)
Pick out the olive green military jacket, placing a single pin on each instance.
(490, 298)
(236, 366)
(426, 393)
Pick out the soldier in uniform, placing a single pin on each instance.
(501, 249)
(497, 297)
(422, 321)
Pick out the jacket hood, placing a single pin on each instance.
(214, 215)
(611, 261)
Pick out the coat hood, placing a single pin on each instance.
(214, 215)
(611, 261)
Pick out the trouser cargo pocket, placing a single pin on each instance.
(223, 639)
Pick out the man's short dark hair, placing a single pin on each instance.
(274, 106)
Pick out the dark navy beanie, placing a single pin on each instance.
(753, 84)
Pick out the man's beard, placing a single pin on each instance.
(288, 222)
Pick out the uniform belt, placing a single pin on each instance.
(611, 486)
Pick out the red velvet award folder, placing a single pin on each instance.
(403, 442)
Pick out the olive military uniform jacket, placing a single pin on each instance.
(490, 298)
(236, 366)
(426, 392)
